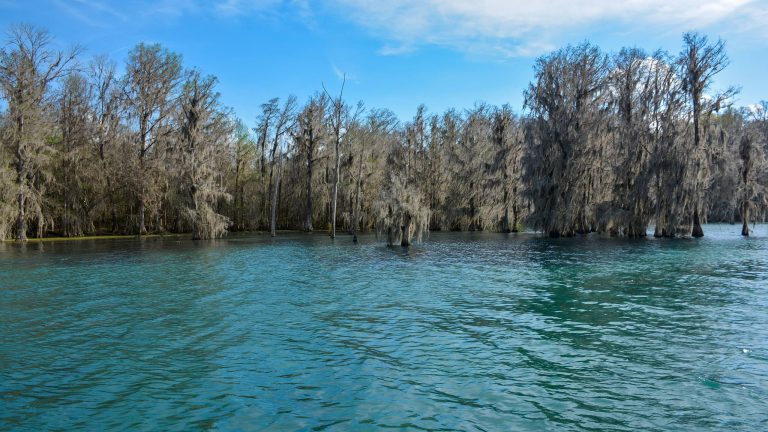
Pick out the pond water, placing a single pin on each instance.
(467, 331)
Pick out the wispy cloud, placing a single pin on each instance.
(342, 74)
(338, 72)
(103, 8)
(103, 13)
(396, 49)
(81, 13)
(497, 28)
(524, 27)
(244, 7)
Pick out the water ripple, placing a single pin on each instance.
(468, 331)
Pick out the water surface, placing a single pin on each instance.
(464, 332)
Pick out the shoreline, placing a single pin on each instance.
(137, 237)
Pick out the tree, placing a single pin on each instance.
(669, 154)
(76, 185)
(699, 62)
(402, 212)
(28, 69)
(468, 167)
(285, 122)
(204, 128)
(244, 154)
(752, 152)
(604, 144)
(107, 109)
(567, 135)
(337, 120)
(372, 139)
(152, 79)
(632, 81)
(309, 136)
(501, 209)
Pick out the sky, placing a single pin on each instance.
(395, 54)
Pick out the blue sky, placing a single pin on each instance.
(396, 53)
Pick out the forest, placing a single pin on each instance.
(614, 143)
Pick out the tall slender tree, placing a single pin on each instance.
(309, 137)
(699, 62)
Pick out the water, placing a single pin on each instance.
(465, 332)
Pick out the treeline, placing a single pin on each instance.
(607, 143)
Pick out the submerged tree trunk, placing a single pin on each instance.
(697, 230)
(745, 152)
(142, 226)
(505, 219)
(745, 219)
(405, 239)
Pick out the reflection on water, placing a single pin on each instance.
(465, 332)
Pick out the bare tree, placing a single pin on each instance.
(244, 153)
(28, 68)
(107, 109)
(309, 136)
(337, 120)
(152, 79)
(76, 185)
(285, 122)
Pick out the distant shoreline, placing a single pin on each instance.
(136, 236)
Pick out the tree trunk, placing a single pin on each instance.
(405, 239)
(21, 221)
(308, 220)
(745, 219)
(268, 186)
(21, 198)
(697, 230)
(238, 198)
(196, 234)
(356, 211)
(142, 227)
(335, 192)
(273, 222)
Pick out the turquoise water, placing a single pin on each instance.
(464, 332)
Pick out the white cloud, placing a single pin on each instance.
(525, 27)
(498, 28)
